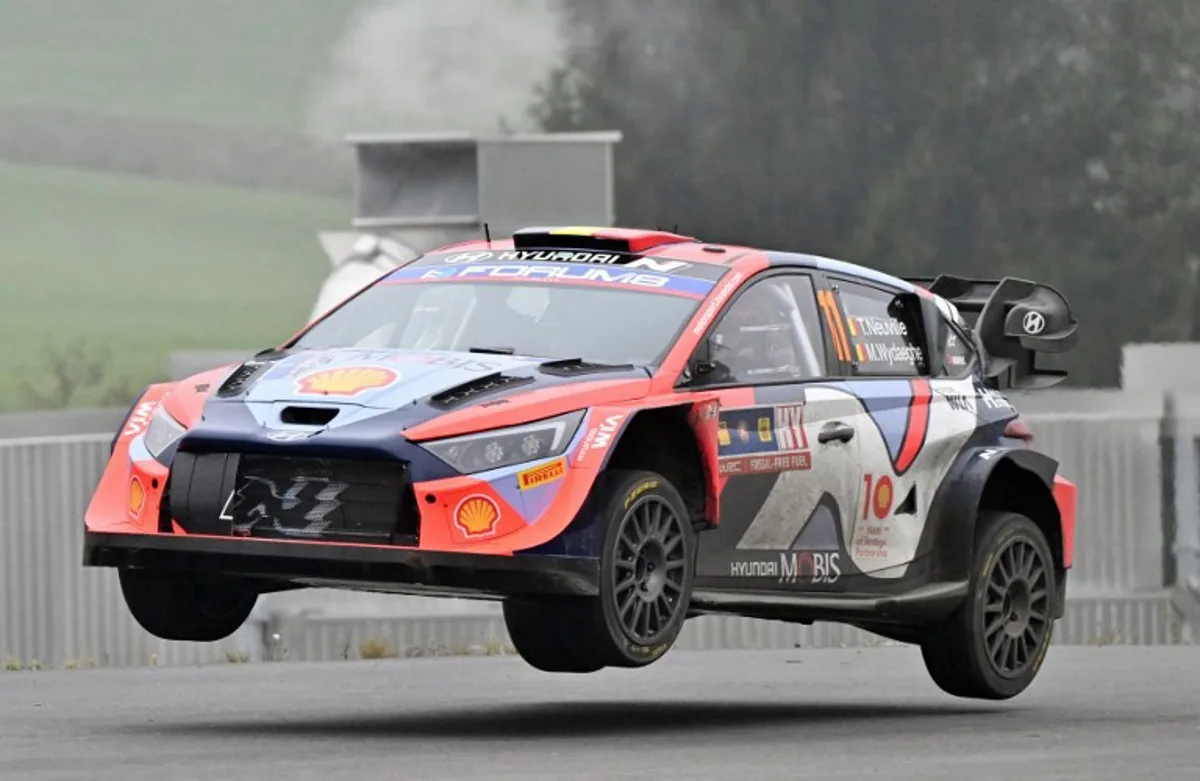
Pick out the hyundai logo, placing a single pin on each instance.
(1033, 323)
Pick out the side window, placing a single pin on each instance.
(771, 333)
(884, 331)
(957, 354)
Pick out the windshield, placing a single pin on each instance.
(594, 318)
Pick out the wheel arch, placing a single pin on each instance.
(996, 479)
(665, 440)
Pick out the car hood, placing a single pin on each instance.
(376, 379)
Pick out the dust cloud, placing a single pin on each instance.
(418, 66)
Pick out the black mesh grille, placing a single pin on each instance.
(277, 497)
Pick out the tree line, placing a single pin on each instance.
(1050, 139)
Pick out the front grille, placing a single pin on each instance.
(273, 497)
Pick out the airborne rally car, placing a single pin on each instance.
(613, 431)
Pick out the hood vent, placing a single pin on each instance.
(308, 416)
(242, 378)
(469, 391)
(571, 367)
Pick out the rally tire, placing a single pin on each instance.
(647, 567)
(635, 500)
(186, 606)
(547, 634)
(994, 644)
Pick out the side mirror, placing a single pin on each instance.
(701, 364)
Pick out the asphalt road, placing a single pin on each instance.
(1095, 713)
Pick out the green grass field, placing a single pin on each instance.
(138, 268)
(244, 62)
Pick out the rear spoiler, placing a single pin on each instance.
(1013, 320)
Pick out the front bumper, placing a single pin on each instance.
(350, 566)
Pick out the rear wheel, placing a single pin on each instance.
(646, 570)
(184, 605)
(993, 645)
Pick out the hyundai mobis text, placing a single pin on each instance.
(613, 431)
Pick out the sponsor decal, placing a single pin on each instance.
(639, 489)
(632, 276)
(549, 273)
(310, 500)
(289, 436)
(792, 567)
(598, 437)
(957, 401)
(140, 419)
(993, 399)
(477, 516)
(870, 325)
(541, 475)
(567, 256)
(758, 440)
(878, 496)
(385, 357)
(891, 354)
(718, 301)
(345, 381)
(1033, 323)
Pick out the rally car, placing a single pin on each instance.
(612, 431)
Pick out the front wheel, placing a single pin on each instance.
(994, 643)
(185, 605)
(647, 566)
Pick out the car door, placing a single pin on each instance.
(787, 445)
(912, 425)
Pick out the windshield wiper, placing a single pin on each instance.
(493, 350)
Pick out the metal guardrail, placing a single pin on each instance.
(1129, 538)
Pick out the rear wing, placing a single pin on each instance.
(1013, 320)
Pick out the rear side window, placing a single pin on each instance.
(956, 354)
(884, 331)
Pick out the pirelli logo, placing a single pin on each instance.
(540, 475)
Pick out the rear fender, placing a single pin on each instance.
(954, 511)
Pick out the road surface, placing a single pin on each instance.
(1095, 713)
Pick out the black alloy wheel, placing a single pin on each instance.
(649, 569)
(1016, 608)
(994, 643)
(647, 565)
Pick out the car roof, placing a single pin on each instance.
(668, 244)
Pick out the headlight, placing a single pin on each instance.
(162, 432)
(507, 446)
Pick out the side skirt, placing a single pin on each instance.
(921, 606)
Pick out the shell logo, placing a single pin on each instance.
(477, 516)
(345, 381)
(883, 497)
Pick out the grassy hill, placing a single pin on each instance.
(136, 268)
(124, 269)
(244, 62)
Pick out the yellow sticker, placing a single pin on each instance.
(574, 230)
(540, 475)
(764, 429)
(641, 489)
